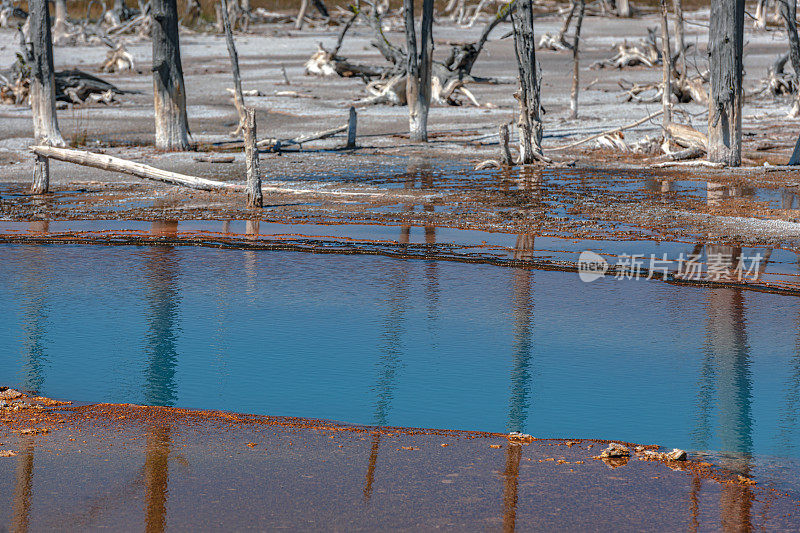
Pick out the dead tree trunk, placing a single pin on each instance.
(418, 69)
(172, 126)
(680, 46)
(666, 75)
(42, 89)
(529, 123)
(301, 15)
(254, 198)
(573, 97)
(238, 98)
(624, 9)
(789, 15)
(726, 41)
(61, 16)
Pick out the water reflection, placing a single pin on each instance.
(23, 489)
(156, 477)
(35, 317)
(161, 271)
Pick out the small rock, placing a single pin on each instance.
(615, 450)
(34, 431)
(745, 480)
(676, 455)
(10, 394)
(7, 453)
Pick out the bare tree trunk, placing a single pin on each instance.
(172, 126)
(254, 198)
(352, 126)
(573, 99)
(238, 98)
(726, 41)
(418, 70)
(61, 14)
(789, 15)
(41, 175)
(624, 9)
(301, 15)
(505, 153)
(666, 74)
(680, 46)
(42, 89)
(529, 123)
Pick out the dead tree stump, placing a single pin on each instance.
(254, 198)
(418, 69)
(172, 126)
(41, 175)
(352, 125)
(726, 40)
(529, 123)
(42, 90)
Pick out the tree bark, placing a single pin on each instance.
(726, 41)
(238, 98)
(680, 46)
(529, 123)
(41, 175)
(352, 125)
(789, 15)
(573, 100)
(666, 74)
(301, 15)
(418, 70)
(172, 127)
(254, 198)
(624, 9)
(61, 14)
(116, 164)
(42, 81)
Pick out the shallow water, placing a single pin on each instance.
(373, 340)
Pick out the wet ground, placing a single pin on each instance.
(441, 231)
(156, 468)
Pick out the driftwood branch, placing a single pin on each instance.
(116, 164)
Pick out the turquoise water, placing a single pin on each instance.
(373, 340)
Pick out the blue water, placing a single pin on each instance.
(374, 340)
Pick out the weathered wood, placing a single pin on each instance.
(41, 175)
(529, 123)
(680, 46)
(795, 159)
(301, 15)
(238, 98)
(254, 197)
(726, 41)
(172, 125)
(666, 71)
(505, 154)
(573, 97)
(115, 164)
(462, 57)
(352, 126)
(42, 80)
(624, 9)
(418, 69)
(789, 15)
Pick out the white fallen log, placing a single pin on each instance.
(116, 164)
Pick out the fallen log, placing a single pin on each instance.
(116, 164)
